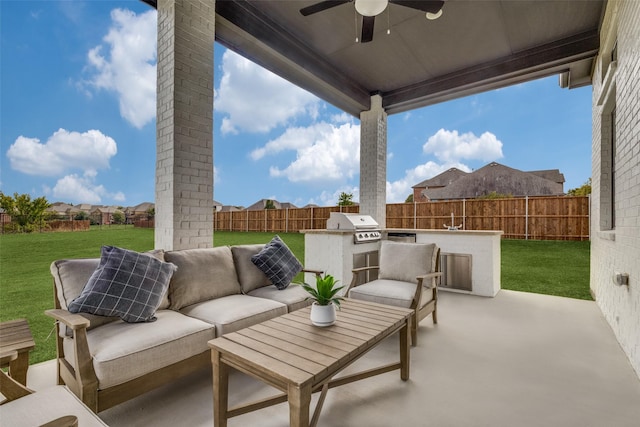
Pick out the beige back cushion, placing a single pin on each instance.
(249, 276)
(202, 274)
(405, 261)
(70, 276)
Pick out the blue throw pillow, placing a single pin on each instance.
(126, 284)
(277, 262)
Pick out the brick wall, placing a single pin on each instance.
(184, 165)
(615, 246)
(373, 161)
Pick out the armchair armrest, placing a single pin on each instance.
(361, 269)
(423, 278)
(356, 272)
(71, 320)
(316, 272)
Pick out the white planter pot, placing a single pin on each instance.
(323, 315)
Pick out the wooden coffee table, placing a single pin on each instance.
(292, 355)
(16, 336)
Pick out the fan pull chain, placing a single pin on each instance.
(388, 19)
(355, 18)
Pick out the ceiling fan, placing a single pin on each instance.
(369, 9)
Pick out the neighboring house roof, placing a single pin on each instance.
(262, 203)
(495, 177)
(106, 209)
(229, 208)
(62, 208)
(443, 179)
(551, 174)
(86, 207)
(143, 207)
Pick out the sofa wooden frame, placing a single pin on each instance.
(82, 380)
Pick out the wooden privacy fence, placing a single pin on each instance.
(541, 218)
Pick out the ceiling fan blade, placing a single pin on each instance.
(367, 29)
(322, 6)
(431, 6)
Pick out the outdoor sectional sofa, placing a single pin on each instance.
(106, 361)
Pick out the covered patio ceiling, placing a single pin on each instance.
(473, 47)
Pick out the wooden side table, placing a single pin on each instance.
(15, 335)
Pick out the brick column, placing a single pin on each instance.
(184, 152)
(373, 161)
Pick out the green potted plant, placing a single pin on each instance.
(326, 298)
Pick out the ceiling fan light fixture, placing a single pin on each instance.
(434, 16)
(371, 7)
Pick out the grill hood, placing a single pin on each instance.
(351, 221)
(365, 229)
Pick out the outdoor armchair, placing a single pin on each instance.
(408, 276)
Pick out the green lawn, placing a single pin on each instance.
(26, 286)
(546, 267)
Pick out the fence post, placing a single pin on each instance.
(589, 222)
(286, 220)
(464, 214)
(415, 215)
(311, 228)
(526, 217)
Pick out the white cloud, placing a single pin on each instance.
(256, 100)
(397, 191)
(129, 67)
(83, 189)
(325, 152)
(450, 146)
(63, 151)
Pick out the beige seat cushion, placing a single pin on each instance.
(249, 276)
(390, 292)
(202, 275)
(293, 296)
(45, 406)
(124, 351)
(235, 312)
(406, 261)
(384, 291)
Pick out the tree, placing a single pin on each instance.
(117, 217)
(495, 195)
(583, 190)
(345, 199)
(269, 204)
(81, 216)
(151, 213)
(25, 212)
(409, 199)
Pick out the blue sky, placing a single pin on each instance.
(77, 120)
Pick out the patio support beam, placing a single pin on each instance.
(373, 161)
(184, 134)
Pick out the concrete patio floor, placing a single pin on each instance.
(517, 359)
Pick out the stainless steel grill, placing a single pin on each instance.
(365, 229)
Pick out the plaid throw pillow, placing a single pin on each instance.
(277, 262)
(126, 284)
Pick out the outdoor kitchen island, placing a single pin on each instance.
(478, 250)
(470, 259)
